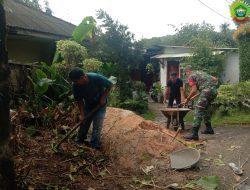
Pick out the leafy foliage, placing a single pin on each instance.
(150, 68)
(110, 69)
(138, 90)
(233, 96)
(205, 59)
(118, 47)
(241, 31)
(85, 30)
(156, 92)
(134, 105)
(92, 65)
(242, 34)
(149, 115)
(50, 86)
(41, 83)
(60, 89)
(36, 4)
(244, 49)
(72, 52)
(206, 183)
(138, 104)
(186, 33)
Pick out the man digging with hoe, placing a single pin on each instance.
(90, 90)
(206, 85)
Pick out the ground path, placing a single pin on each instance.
(229, 144)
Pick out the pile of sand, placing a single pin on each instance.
(127, 138)
(134, 141)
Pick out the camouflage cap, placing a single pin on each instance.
(188, 67)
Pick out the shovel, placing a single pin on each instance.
(182, 104)
(179, 128)
(178, 131)
(56, 147)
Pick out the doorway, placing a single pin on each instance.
(173, 67)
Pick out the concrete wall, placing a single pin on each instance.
(231, 71)
(19, 83)
(30, 50)
(23, 51)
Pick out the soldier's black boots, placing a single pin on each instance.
(208, 130)
(193, 136)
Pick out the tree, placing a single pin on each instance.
(242, 35)
(224, 28)
(7, 174)
(117, 46)
(186, 33)
(36, 5)
(204, 58)
(47, 9)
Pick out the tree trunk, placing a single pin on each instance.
(7, 173)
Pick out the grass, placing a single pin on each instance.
(234, 117)
(149, 115)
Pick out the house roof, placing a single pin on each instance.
(165, 46)
(190, 47)
(172, 55)
(184, 51)
(180, 55)
(24, 20)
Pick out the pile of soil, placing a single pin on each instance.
(129, 143)
(134, 141)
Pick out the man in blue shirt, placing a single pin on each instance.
(90, 90)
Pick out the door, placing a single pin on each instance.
(173, 67)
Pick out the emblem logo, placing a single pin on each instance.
(240, 11)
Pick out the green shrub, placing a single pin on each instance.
(138, 106)
(50, 86)
(114, 100)
(233, 97)
(139, 88)
(72, 52)
(149, 115)
(242, 35)
(92, 65)
(244, 49)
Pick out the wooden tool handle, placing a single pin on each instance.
(192, 98)
(76, 126)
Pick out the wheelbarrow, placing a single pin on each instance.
(178, 113)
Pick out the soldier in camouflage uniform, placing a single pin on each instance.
(206, 85)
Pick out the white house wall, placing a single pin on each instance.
(163, 74)
(231, 71)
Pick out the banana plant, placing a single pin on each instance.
(41, 85)
(85, 30)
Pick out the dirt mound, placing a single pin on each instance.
(134, 141)
(130, 143)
